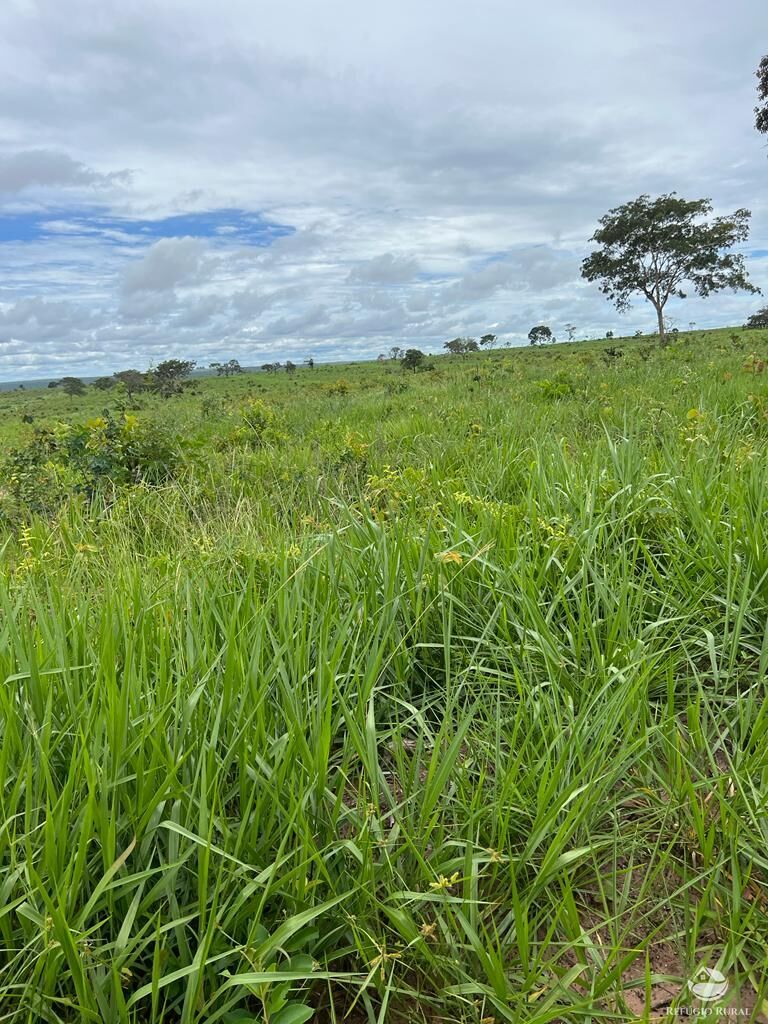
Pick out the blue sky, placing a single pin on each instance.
(216, 182)
(231, 226)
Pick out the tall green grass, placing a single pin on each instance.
(449, 705)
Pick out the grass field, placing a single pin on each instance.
(370, 695)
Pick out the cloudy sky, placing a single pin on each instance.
(272, 180)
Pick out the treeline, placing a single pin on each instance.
(167, 378)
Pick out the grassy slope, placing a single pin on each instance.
(456, 691)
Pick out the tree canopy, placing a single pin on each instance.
(168, 376)
(758, 319)
(538, 335)
(132, 380)
(761, 111)
(413, 359)
(655, 246)
(461, 346)
(72, 386)
(228, 369)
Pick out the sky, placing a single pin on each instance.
(269, 181)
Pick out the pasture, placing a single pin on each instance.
(374, 695)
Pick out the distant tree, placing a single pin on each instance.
(609, 334)
(72, 386)
(228, 369)
(396, 352)
(758, 319)
(311, 363)
(539, 335)
(761, 112)
(53, 383)
(413, 359)
(638, 333)
(654, 246)
(380, 358)
(488, 340)
(290, 367)
(104, 383)
(132, 381)
(272, 367)
(168, 377)
(461, 346)
(571, 329)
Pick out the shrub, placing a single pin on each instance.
(561, 387)
(258, 424)
(66, 459)
(341, 387)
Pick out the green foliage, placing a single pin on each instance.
(539, 335)
(168, 377)
(413, 359)
(72, 386)
(229, 369)
(758, 319)
(132, 381)
(655, 247)
(436, 704)
(258, 424)
(462, 346)
(340, 387)
(69, 458)
(562, 386)
(761, 111)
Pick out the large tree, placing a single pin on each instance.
(72, 386)
(758, 319)
(461, 346)
(413, 359)
(655, 246)
(761, 112)
(540, 334)
(132, 381)
(167, 377)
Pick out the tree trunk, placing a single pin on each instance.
(663, 340)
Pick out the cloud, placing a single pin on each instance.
(166, 265)
(385, 269)
(45, 168)
(536, 270)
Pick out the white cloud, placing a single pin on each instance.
(166, 264)
(385, 269)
